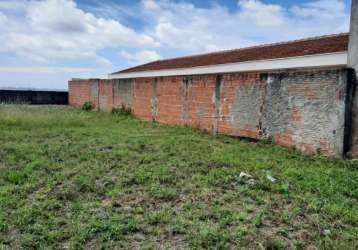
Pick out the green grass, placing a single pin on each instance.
(71, 179)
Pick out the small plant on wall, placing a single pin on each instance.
(87, 106)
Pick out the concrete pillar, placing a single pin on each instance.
(353, 38)
(353, 64)
(216, 101)
(154, 99)
(184, 101)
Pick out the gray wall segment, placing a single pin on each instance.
(95, 88)
(353, 38)
(154, 99)
(123, 91)
(184, 101)
(246, 107)
(343, 94)
(103, 102)
(95, 92)
(308, 105)
(216, 102)
(275, 115)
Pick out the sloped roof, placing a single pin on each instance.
(304, 47)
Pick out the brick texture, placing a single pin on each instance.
(122, 93)
(142, 98)
(201, 90)
(306, 109)
(302, 108)
(79, 92)
(168, 100)
(241, 102)
(105, 95)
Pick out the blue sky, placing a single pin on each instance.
(45, 43)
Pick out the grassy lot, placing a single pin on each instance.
(86, 180)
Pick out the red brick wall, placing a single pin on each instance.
(79, 92)
(142, 98)
(241, 120)
(105, 95)
(200, 102)
(169, 100)
(303, 108)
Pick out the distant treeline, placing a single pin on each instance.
(40, 97)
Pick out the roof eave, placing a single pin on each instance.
(308, 61)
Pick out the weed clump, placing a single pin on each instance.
(122, 111)
(87, 106)
(266, 141)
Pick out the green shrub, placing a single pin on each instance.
(122, 111)
(87, 106)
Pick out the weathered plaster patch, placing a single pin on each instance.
(123, 92)
(321, 113)
(245, 109)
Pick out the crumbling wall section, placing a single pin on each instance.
(122, 93)
(306, 109)
(242, 98)
(105, 95)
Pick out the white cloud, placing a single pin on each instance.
(112, 10)
(140, 57)
(58, 29)
(331, 16)
(331, 9)
(262, 14)
(7, 5)
(181, 25)
(38, 34)
(151, 5)
(3, 19)
(46, 70)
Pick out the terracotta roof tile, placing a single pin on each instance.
(309, 46)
